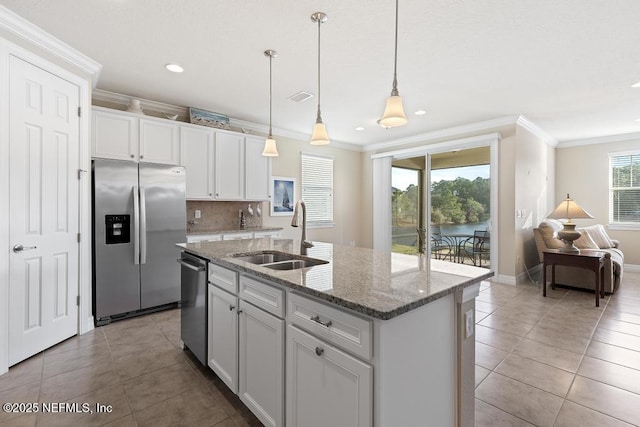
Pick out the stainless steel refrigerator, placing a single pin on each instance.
(139, 214)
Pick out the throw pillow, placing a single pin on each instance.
(549, 236)
(599, 236)
(585, 241)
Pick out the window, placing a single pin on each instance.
(317, 189)
(624, 189)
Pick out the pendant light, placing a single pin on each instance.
(319, 135)
(270, 148)
(393, 112)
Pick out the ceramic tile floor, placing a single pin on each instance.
(555, 361)
(134, 365)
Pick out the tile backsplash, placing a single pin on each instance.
(223, 215)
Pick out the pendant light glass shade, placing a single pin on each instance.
(394, 112)
(319, 135)
(270, 148)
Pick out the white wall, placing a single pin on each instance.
(347, 182)
(583, 171)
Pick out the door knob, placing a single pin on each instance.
(20, 248)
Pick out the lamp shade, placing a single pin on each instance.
(270, 148)
(568, 209)
(393, 113)
(319, 136)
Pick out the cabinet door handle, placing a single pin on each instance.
(317, 320)
(319, 351)
(239, 311)
(231, 307)
(132, 156)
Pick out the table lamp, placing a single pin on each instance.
(568, 209)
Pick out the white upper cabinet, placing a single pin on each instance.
(197, 157)
(229, 166)
(125, 136)
(114, 136)
(220, 164)
(159, 142)
(257, 170)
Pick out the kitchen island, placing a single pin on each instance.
(371, 338)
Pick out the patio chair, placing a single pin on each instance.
(440, 245)
(477, 247)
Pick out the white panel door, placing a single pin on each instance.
(43, 200)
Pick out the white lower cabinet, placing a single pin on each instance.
(262, 364)
(223, 336)
(325, 385)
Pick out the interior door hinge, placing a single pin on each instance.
(78, 237)
(79, 111)
(78, 300)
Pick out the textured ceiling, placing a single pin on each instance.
(566, 65)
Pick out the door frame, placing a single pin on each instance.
(382, 226)
(85, 318)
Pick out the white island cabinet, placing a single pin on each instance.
(371, 338)
(246, 341)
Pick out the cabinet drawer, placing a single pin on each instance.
(345, 330)
(203, 238)
(237, 236)
(224, 278)
(267, 297)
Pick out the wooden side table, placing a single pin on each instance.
(587, 258)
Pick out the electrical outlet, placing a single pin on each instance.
(198, 214)
(468, 323)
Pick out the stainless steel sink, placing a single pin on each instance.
(264, 258)
(280, 260)
(294, 264)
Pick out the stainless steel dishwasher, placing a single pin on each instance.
(193, 316)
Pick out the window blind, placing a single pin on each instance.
(317, 188)
(624, 188)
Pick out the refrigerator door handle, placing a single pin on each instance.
(136, 225)
(143, 227)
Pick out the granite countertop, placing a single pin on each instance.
(379, 284)
(235, 230)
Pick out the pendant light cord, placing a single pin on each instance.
(319, 117)
(270, 95)
(394, 91)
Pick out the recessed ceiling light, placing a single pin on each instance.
(174, 68)
(359, 128)
(420, 112)
(636, 84)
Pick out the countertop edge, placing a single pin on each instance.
(367, 311)
(234, 230)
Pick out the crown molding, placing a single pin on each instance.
(246, 126)
(446, 133)
(599, 140)
(468, 142)
(17, 25)
(537, 131)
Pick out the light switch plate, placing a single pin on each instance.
(198, 214)
(468, 323)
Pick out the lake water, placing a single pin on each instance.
(408, 235)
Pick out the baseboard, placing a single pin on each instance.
(504, 279)
(632, 267)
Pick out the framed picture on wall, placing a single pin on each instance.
(283, 200)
